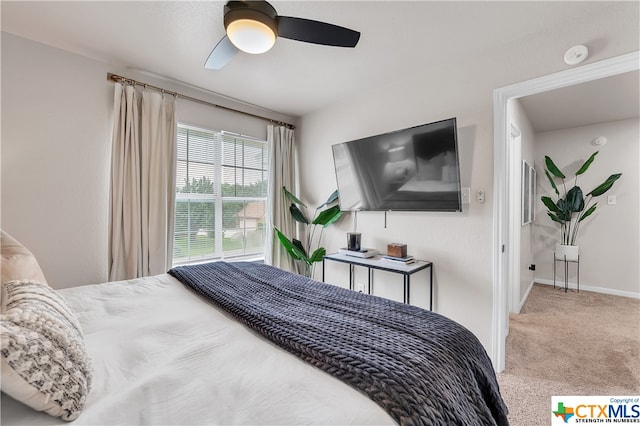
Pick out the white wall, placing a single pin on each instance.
(608, 239)
(459, 244)
(55, 158)
(56, 139)
(527, 231)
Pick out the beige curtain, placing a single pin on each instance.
(282, 168)
(142, 197)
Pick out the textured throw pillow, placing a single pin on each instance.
(18, 263)
(43, 359)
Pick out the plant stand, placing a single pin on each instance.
(566, 263)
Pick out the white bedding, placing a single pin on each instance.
(163, 356)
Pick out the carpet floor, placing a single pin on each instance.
(569, 344)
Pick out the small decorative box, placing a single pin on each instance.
(397, 250)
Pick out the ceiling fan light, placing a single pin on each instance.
(251, 36)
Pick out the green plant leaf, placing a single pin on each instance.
(563, 213)
(334, 218)
(605, 186)
(552, 167)
(298, 244)
(297, 214)
(328, 216)
(292, 249)
(586, 164)
(588, 212)
(575, 200)
(318, 255)
(555, 218)
(553, 184)
(333, 197)
(548, 202)
(292, 197)
(562, 206)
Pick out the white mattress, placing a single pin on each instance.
(161, 355)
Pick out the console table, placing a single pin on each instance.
(376, 262)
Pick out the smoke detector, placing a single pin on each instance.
(599, 141)
(576, 54)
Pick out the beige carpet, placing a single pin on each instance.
(569, 344)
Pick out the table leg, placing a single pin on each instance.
(351, 286)
(406, 289)
(431, 287)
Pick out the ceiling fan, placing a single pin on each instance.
(252, 26)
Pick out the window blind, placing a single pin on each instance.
(221, 193)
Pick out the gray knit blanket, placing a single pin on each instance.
(421, 367)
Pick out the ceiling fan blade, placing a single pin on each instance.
(221, 54)
(316, 32)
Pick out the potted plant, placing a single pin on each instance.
(572, 206)
(301, 252)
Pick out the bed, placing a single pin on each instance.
(214, 344)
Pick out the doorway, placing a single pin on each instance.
(506, 238)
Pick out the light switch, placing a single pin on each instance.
(611, 199)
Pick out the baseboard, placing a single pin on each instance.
(604, 290)
(526, 295)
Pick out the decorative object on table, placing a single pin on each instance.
(363, 253)
(572, 207)
(302, 253)
(405, 260)
(354, 240)
(397, 250)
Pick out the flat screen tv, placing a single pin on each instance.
(412, 169)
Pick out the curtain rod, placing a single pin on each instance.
(119, 79)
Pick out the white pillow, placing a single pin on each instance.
(43, 360)
(18, 263)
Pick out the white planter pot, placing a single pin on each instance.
(564, 252)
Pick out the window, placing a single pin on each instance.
(221, 194)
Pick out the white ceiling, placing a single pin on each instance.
(399, 39)
(599, 101)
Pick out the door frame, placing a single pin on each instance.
(504, 261)
(514, 157)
